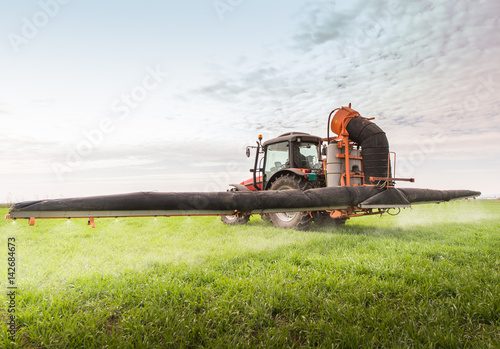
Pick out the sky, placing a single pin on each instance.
(122, 96)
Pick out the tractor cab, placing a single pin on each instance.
(293, 152)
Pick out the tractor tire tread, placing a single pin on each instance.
(302, 220)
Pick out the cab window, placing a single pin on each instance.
(306, 155)
(276, 158)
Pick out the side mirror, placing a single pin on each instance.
(248, 152)
(323, 150)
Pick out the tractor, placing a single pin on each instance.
(291, 161)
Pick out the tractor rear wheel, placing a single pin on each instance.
(295, 220)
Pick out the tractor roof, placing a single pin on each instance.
(293, 136)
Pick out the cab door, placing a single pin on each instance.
(277, 157)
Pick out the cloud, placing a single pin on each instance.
(4, 109)
(323, 22)
(391, 59)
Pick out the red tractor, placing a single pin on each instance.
(290, 161)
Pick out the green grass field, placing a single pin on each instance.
(429, 277)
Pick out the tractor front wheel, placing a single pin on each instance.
(294, 220)
(234, 220)
(265, 217)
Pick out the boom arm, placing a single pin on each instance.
(226, 203)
